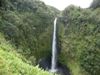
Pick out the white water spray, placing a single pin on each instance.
(54, 49)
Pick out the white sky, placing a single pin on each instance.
(61, 4)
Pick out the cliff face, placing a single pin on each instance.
(13, 63)
(25, 35)
(79, 40)
(28, 25)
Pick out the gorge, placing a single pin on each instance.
(34, 42)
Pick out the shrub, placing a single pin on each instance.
(90, 60)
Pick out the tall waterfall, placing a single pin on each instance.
(54, 49)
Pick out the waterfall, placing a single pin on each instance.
(54, 49)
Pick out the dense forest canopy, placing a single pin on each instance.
(80, 39)
(95, 4)
(26, 28)
(25, 24)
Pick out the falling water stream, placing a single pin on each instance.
(54, 49)
(55, 66)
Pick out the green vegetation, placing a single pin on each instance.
(95, 4)
(80, 42)
(12, 63)
(26, 23)
(25, 36)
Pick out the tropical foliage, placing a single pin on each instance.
(12, 63)
(80, 42)
(26, 23)
(26, 32)
(95, 4)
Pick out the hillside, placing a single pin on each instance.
(79, 34)
(26, 24)
(12, 63)
(26, 28)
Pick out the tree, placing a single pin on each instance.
(95, 4)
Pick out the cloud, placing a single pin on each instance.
(61, 4)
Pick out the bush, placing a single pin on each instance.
(90, 61)
(80, 43)
(12, 63)
(95, 4)
(26, 23)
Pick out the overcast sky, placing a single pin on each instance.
(61, 4)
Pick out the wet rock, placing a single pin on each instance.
(45, 63)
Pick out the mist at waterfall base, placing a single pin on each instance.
(50, 63)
